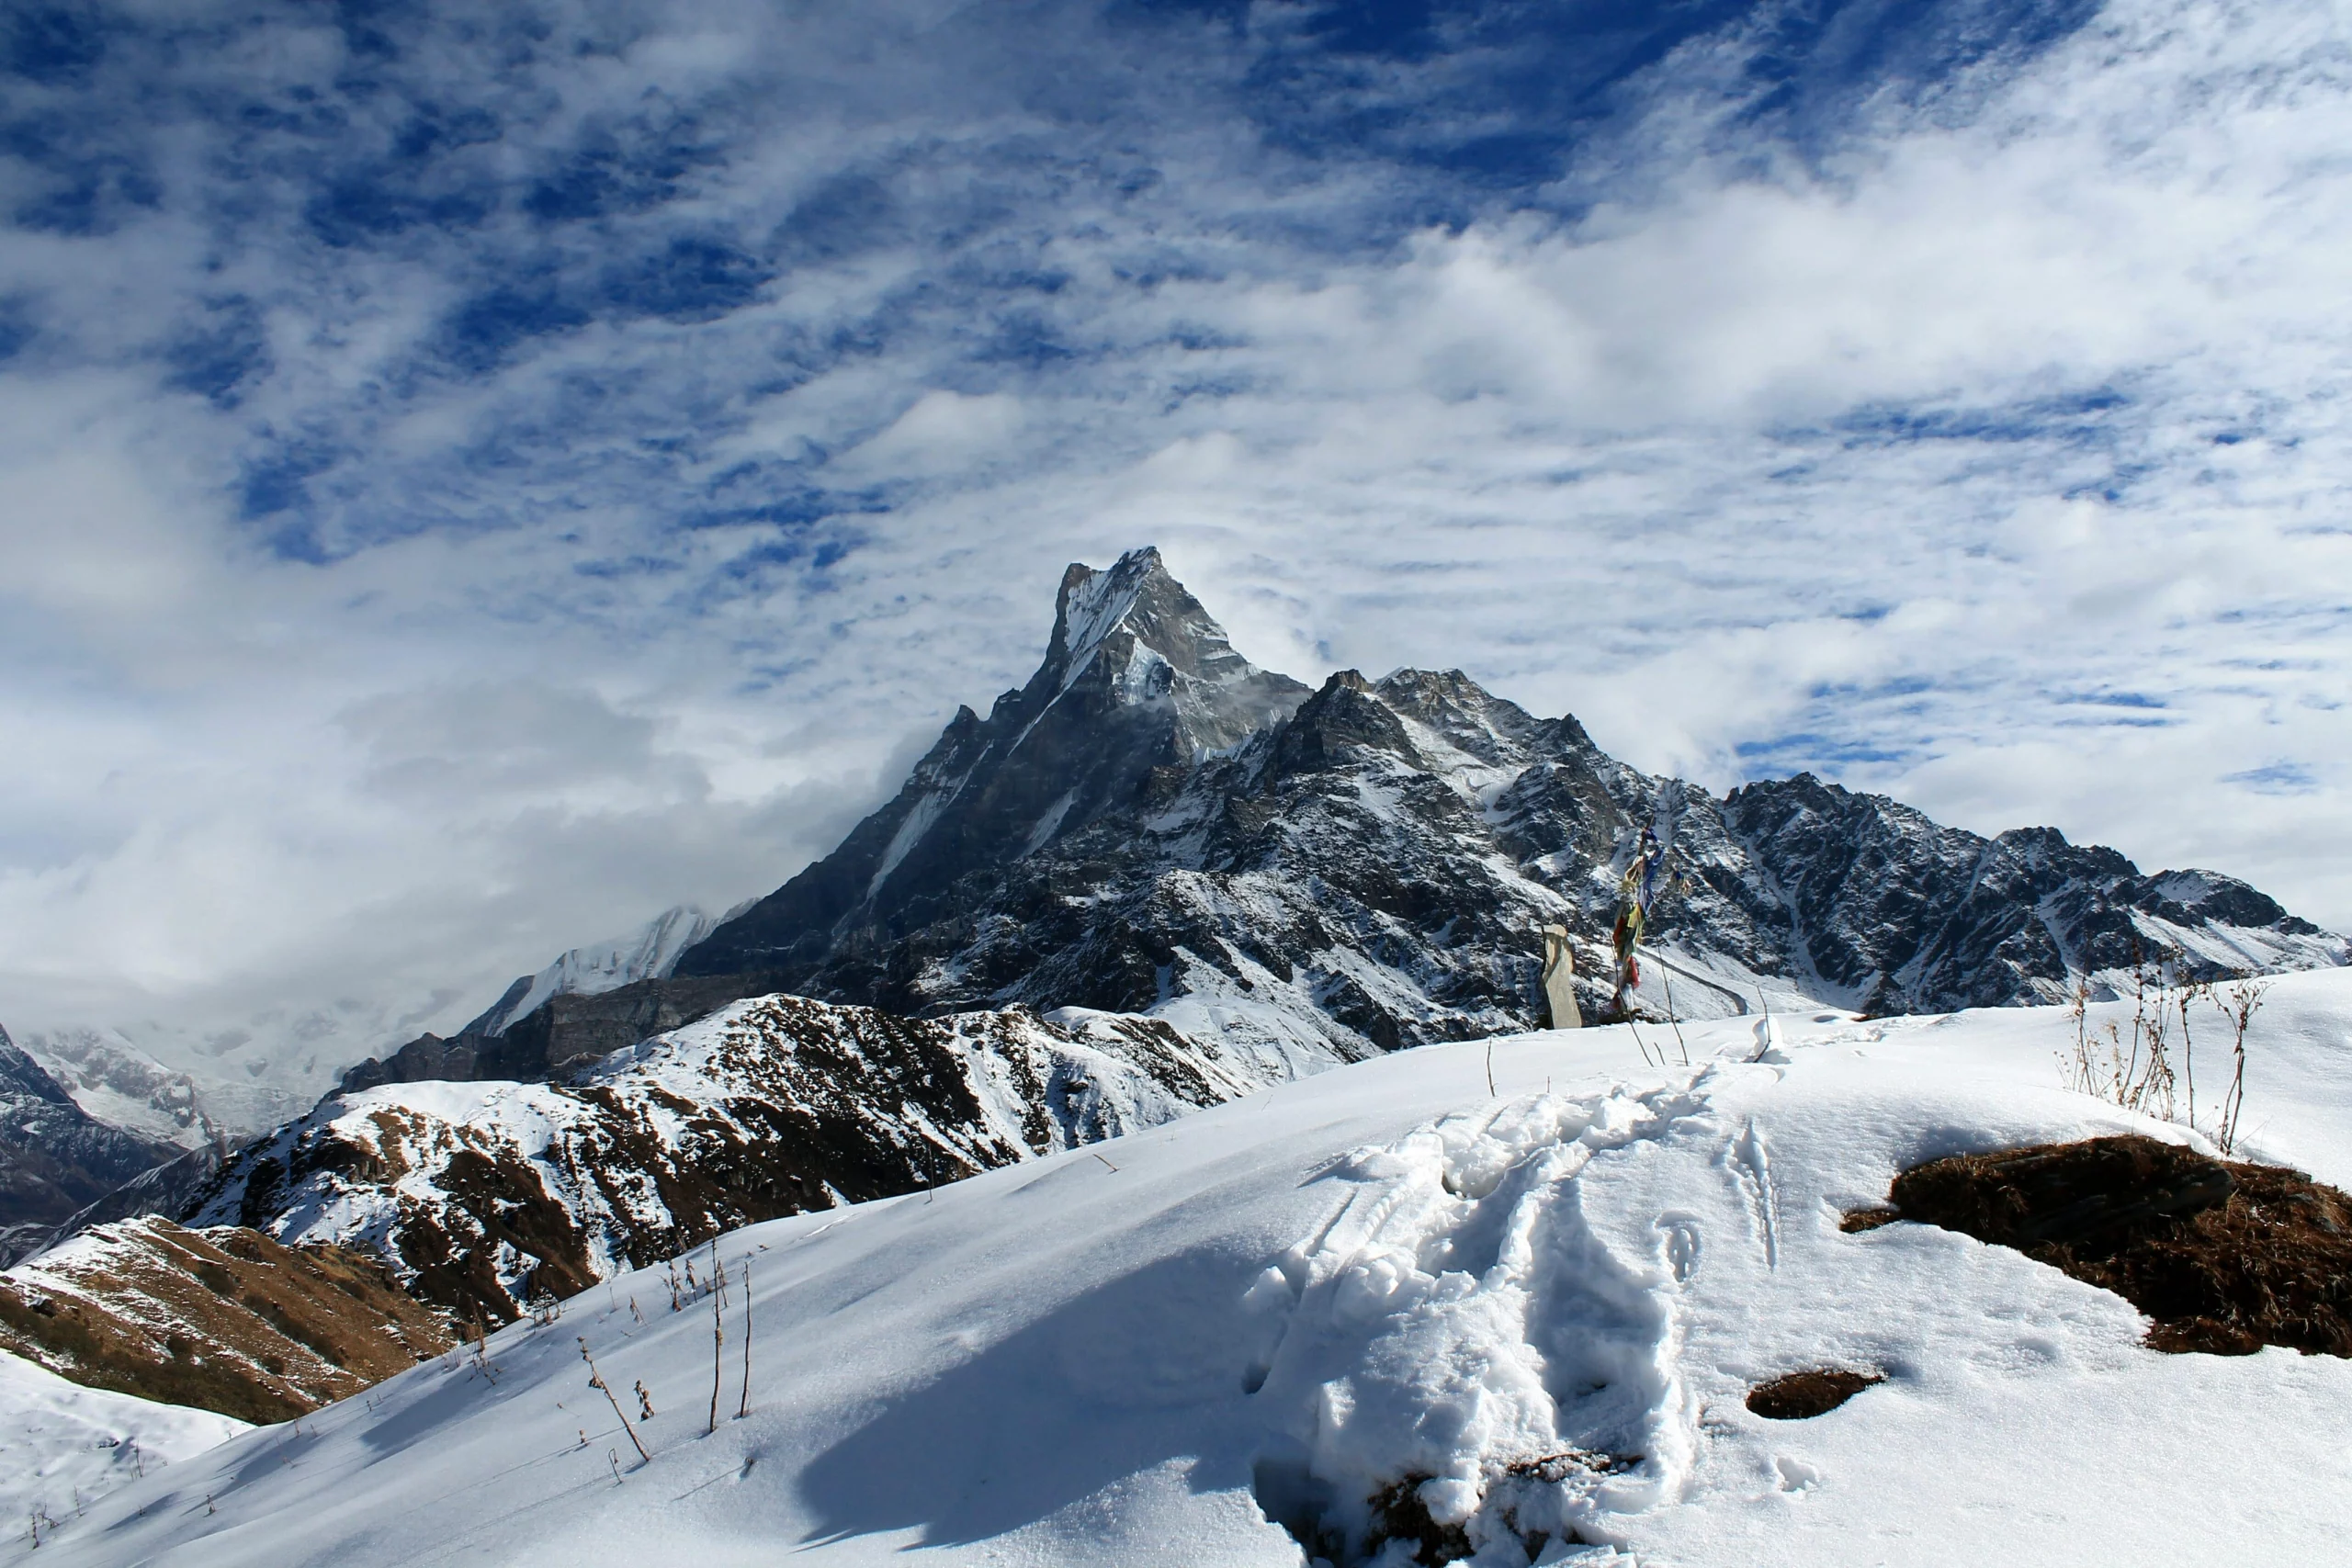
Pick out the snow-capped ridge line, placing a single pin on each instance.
(650, 953)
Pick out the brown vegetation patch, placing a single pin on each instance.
(2227, 1257)
(1800, 1396)
(224, 1319)
(1554, 1469)
(1398, 1514)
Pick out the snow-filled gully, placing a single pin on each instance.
(1463, 1361)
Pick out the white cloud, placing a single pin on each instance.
(941, 432)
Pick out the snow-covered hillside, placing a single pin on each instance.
(1536, 1308)
(62, 1445)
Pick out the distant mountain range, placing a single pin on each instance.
(1154, 824)
(55, 1157)
(1152, 878)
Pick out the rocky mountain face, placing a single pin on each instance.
(188, 1079)
(548, 1022)
(122, 1085)
(483, 1195)
(221, 1319)
(564, 1032)
(1152, 825)
(54, 1157)
(1870, 903)
(171, 1188)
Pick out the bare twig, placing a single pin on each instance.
(2188, 994)
(743, 1408)
(1668, 979)
(1642, 1044)
(596, 1380)
(2245, 1001)
(482, 1363)
(717, 1338)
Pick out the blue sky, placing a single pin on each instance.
(477, 476)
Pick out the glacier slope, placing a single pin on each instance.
(1384, 1271)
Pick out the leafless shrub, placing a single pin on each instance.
(2238, 1005)
(2136, 1070)
(2136, 1074)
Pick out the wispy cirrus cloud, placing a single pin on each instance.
(479, 480)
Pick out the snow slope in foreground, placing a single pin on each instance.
(1379, 1272)
(60, 1440)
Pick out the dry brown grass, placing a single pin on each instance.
(224, 1319)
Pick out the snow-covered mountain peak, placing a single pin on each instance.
(1138, 686)
(54, 1157)
(1138, 597)
(20, 1076)
(1151, 824)
(1132, 635)
(649, 952)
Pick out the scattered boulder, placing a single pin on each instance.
(1799, 1396)
(2227, 1257)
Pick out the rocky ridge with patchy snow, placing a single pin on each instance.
(485, 1194)
(220, 1318)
